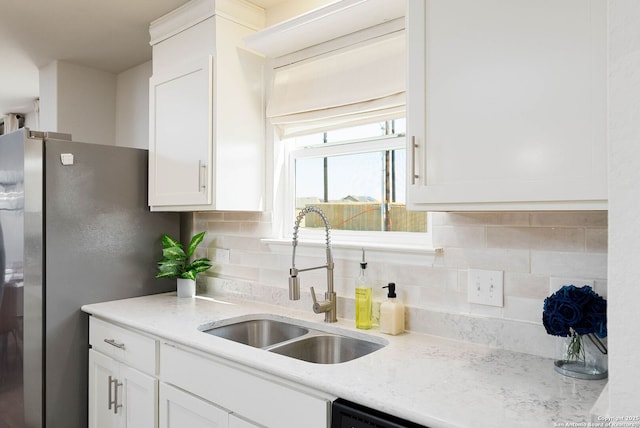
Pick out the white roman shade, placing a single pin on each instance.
(361, 83)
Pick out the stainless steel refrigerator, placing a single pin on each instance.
(75, 229)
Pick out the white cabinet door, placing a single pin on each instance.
(179, 409)
(236, 422)
(206, 112)
(102, 371)
(180, 103)
(140, 392)
(506, 104)
(120, 396)
(248, 393)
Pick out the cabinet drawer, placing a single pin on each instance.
(132, 348)
(263, 401)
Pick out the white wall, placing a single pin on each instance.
(624, 204)
(31, 120)
(78, 100)
(49, 97)
(132, 107)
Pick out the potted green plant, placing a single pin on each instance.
(175, 263)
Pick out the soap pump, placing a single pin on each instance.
(363, 297)
(391, 313)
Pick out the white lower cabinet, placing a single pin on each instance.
(247, 395)
(120, 396)
(123, 388)
(179, 409)
(141, 381)
(236, 422)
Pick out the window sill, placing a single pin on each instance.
(380, 252)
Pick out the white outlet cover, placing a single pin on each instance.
(221, 255)
(485, 287)
(556, 283)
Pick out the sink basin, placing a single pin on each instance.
(327, 349)
(287, 337)
(260, 333)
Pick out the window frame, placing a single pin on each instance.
(348, 238)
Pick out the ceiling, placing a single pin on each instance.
(111, 35)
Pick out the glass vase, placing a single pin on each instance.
(583, 356)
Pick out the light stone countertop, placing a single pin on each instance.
(433, 381)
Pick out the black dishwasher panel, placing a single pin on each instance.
(345, 414)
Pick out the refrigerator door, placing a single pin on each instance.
(12, 201)
(101, 243)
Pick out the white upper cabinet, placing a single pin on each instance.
(206, 109)
(506, 105)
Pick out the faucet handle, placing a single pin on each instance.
(319, 307)
(313, 296)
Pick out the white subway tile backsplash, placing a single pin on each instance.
(486, 311)
(526, 285)
(255, 228)
(520, 309)
(210, 216)
(512, 260)
(600, 287)
(422, 276)
(537, 238)
(243, 216)
(459, 236)
(581, 265)
(597, 240)
(219, 255)
(224, 227)
(481, 218)
(528, 247)
(236, 271)
(274, 277)
(248, 243)
(569, 218)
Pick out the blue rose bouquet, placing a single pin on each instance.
(576, 311)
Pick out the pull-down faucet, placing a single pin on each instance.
(328, 306)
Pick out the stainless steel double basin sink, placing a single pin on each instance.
(291, 338)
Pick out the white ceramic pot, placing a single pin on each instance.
(186, 287)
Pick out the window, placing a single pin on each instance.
(337, 112)
(357, 176)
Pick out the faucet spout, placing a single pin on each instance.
(327, 306)
(294, 285)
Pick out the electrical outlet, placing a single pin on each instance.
(556, 283)
(220, 255)
(485, 287)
